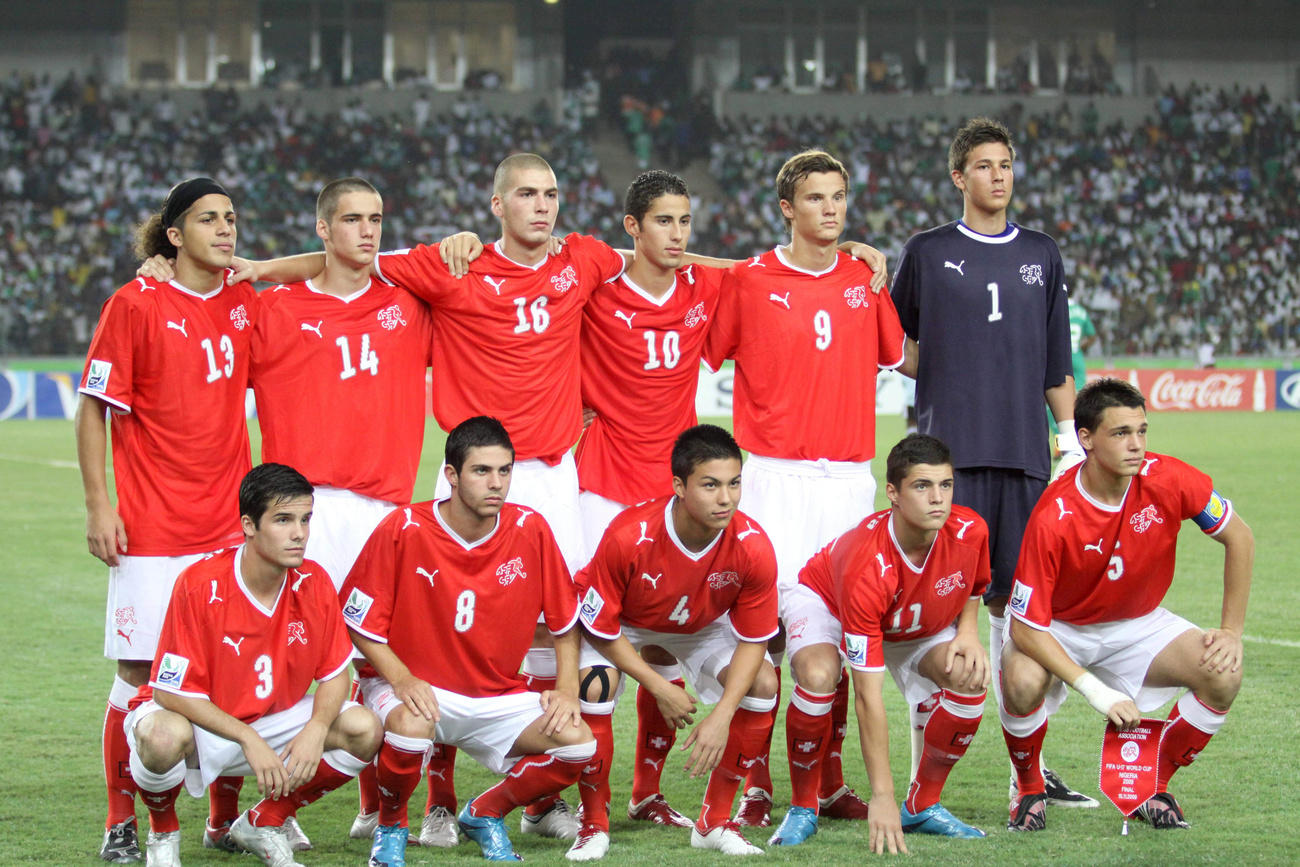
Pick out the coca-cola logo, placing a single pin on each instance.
(1215, 391)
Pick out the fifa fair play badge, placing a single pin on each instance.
(1128, 765)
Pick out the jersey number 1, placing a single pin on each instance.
(995, 314)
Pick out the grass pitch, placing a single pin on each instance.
(1239, 795)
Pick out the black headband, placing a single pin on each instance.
(185, 194)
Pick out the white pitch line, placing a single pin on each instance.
(1281, 642)
(62, 465)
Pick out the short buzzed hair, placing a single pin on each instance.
(514, 163)
(800, 166)
(977, 131)
(328, 200)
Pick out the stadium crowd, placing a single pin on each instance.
(1175, 231)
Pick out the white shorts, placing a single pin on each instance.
(903, 659)
(341, 522)
(803, 505)
(702, 655)
(139, 589)
(597, 512)
(217, 757)
(553, 492)
(486, 727)
(1119, 653)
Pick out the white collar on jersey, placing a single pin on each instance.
(903, 554)
(346, 299)
(501, 251)
(1006, 237)
(243, 588)
(649, 299)
(787, 263)
(188, 291)
(1078, 484)
(672, 534)
(456, 536)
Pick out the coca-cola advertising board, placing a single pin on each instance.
(1175, 390)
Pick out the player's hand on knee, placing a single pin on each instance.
(458, 250)
(418, 697)
(884, 826)
(560, 709)
(157, 267)
(677, 706)
(1223, 651)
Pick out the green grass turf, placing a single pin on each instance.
(1240, 796)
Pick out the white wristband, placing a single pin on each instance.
(1066, 439)
(1101, 697)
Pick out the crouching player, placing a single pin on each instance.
(247, 631)
(442, 602)
(695, 577)
(1097, 560)
(902, 591)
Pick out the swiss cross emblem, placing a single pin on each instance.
(391, 317)
(125, 616)
(565, 280)
(719, 580)
(944, 586)
(856, 296)
(1031, 274)
(239, 316)
(510, 571)
(696, 315)
(1143, 520)
(297, 632)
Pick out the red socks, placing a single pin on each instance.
(442, 778)
(274, 813)
(948, 733)
(760, 774)
(1191, 725)
(832, 767)
(750, 733)
(531, 778)
(593, 785)
(1024, 751)
(117, 761)
(397, 775)
(162, 809)
(655, 738)
(808, 722)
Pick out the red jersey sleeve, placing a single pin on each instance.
(332, 631)
(889, 333)
(864, 604)
(754, 613)
(723, 338)
(607, 262)
(559, 594)
(419, 270)
(1036, 572)
(109, 373)
(368, 592)
(605, 580)
(180, 663)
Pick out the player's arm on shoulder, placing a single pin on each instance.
(885, 828)
(875, 260)
(1223, 646)
(105, 532)
(272, 777)
(285, 269)
(413, 692)
(458, 250)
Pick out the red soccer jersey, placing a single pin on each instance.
(340, 385)
(879, 595)
(505, 337)
(173, 365)
(807, 346)
(218, 642)
(640, 367)
(1083, 562)
(642, 576)
(460, 615)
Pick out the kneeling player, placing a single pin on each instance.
(247, 631)
(442, 602)
(902, 590)
(1097, 560)
(692, 575)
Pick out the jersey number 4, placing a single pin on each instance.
(681, 614)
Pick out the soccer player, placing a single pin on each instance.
(168, 364)
(808, 337)
(442, 602)
(1097, 560)
(691, 574)
(247, 632)
(983, 302)
(900, 591)
(1082, 335)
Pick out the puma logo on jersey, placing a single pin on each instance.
(883, 566)
(783, 300)
(214, 598)
(314, 329)
(749, 530)
(126, 635)
(1096, 547)
(523, 516)
(226, 639)
(494, 283)
(626, 317)
(410, 522)
(644, 537)
(1060, 504)
(302, 576)
(654, 581)
(180, 328)
(143, 285)
(956, 267)
(420, 570)
(1146, 464)
(965, 525)
(754, 263)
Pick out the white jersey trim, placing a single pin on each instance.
(573, 622)
(672, 534)
(243, 588)
(437, 514)
(346, 299)
(342, 668)
(1093, 501)
(646, 296)
(113, 404)
(906, 559)
(793, 267)
(378, 639)
(497, 245)
(187, 291)
(1005, 238)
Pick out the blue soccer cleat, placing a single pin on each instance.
(799, 824)
(935, 819)
(389, 846)
(489, 833)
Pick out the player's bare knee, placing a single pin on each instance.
(1218, 689)
(765, 683)
(598, 684)
(1024, 683)
(358, 731)
(162, 739)
(402, 722)
(816, 668)
(569, 736)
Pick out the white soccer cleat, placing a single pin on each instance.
(270, 843)
(363, 826)
(592, 845)
(439, 829)
(725, 838)
(163, 849)
(298, 839)
(558, 822)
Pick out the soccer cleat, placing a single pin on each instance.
(1061, 795)
(1163, 812)
(755, 809)
(389, 846)
(268, 842)
(844, 804)
(799, 824)
(163, 849)
(726, 838)
(363, 826)
(219, 838)
(655, 809)
(298, 839)
(591, 845)
(558, 822)
(1028, 813)
(489, 833)
(935, 819)
(121, 844)
(439, 829)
